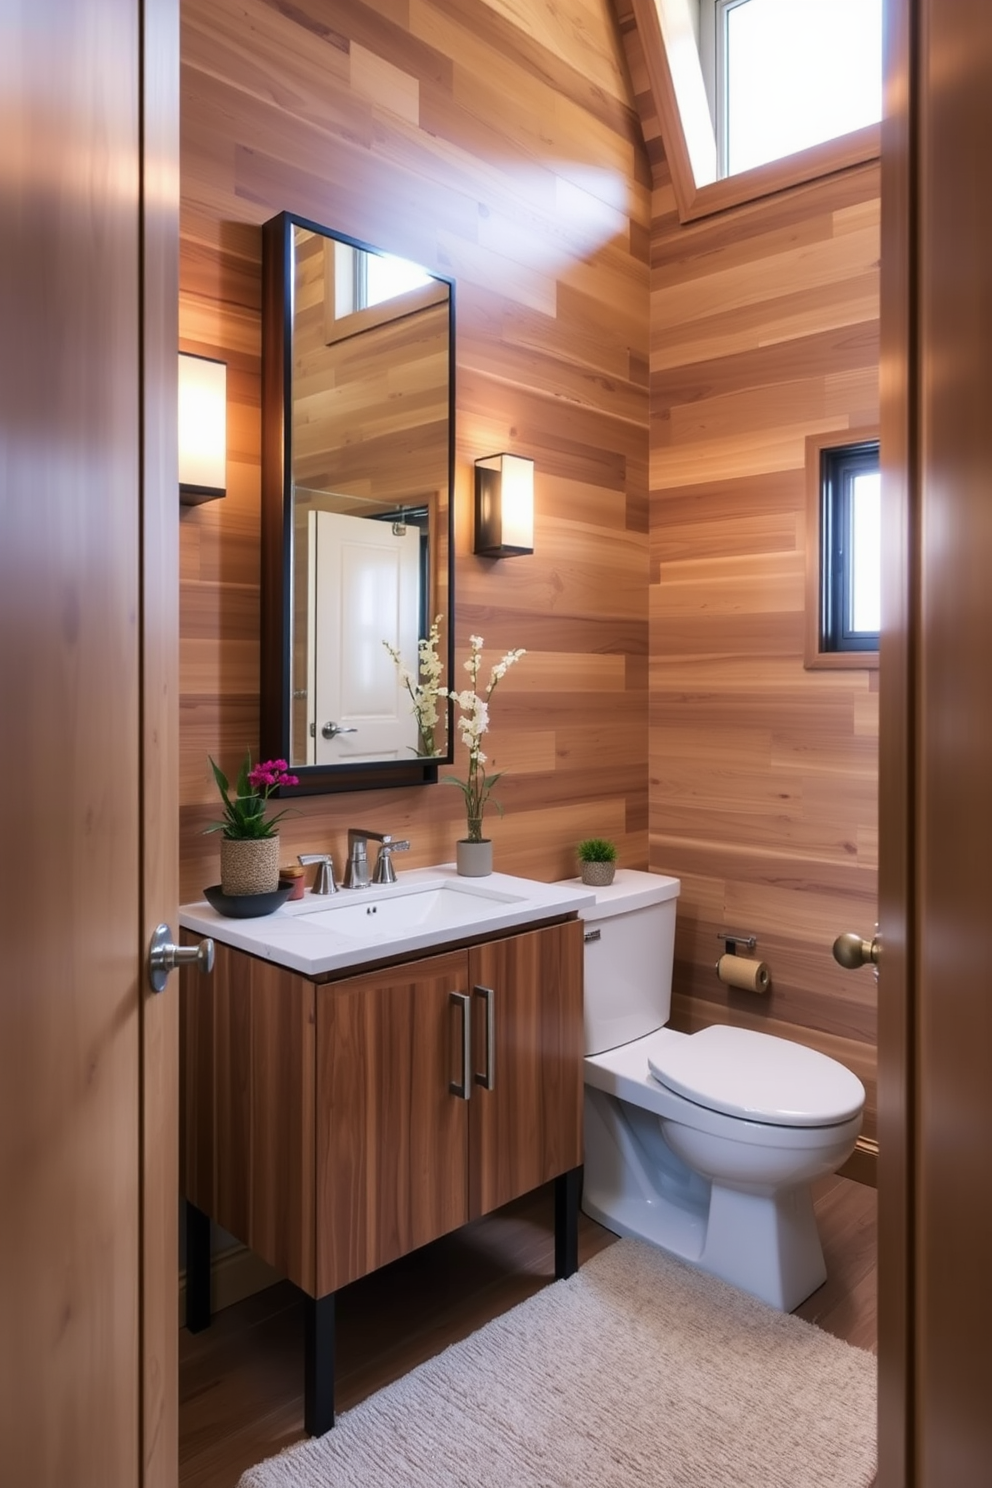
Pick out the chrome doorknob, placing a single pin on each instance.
(851, 951)
(331, 730)
(164, 957)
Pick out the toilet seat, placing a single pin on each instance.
(757, 1077)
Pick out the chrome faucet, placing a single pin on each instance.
(323, 882)
(357, 872)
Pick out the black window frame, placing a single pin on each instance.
(839, 467)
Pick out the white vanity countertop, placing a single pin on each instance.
(425, 908)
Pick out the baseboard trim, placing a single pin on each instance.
(235, 1274)
(862, 1165)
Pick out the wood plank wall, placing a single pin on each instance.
(763, 776)
(498, 143)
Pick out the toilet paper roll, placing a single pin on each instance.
(738, 971)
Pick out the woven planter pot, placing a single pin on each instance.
(249, 865)
(598, 875)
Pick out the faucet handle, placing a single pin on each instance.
(385, 873)
(324, 880)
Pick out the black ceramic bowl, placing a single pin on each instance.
(246, 906)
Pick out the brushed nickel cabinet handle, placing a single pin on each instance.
(463, 1088)
(488, 1077)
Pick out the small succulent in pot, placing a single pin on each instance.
(598, 860)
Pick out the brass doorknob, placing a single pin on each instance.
(851, 951)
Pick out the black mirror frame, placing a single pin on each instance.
(277, 517)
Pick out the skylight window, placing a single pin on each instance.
(788, 74)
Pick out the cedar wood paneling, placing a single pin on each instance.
(499, 144)
(763, 776)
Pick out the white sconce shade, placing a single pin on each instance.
(202, 429)
(504, 506)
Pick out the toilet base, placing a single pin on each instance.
(766, 1242)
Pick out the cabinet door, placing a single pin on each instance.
(392, 1138)
(527, 1128)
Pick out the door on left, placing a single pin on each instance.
(88, 529)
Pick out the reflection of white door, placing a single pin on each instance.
(366, 591)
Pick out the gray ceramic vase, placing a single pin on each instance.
(474, 859)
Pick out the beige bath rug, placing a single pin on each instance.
(637, 1372)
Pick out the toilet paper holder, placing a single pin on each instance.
(732, 942)
(741, 971)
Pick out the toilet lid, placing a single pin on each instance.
(758, 1077)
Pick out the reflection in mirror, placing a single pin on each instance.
(358, 460)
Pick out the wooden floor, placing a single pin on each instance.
(241, 1382)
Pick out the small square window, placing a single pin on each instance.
(843, 567)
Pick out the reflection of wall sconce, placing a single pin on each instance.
(504, 506)
(202, 429)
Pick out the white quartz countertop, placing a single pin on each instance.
(426, 908)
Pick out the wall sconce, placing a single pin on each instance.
(504, 506)
(202, 429)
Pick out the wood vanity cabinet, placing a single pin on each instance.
(400, 1157)
(323, 1121)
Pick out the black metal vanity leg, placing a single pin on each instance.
(197, 1269)
(318, 1386)
(568, 1188)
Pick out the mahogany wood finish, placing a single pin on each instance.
(425, 130)
(249, 1050)
(939, 724)
(764, 331)
(392, 1139)
(898, 704)
(528, 1127)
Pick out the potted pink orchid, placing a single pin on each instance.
(249, 849)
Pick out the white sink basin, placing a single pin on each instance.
(446, 906)
(427, 909)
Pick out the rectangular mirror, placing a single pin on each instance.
(357, 471)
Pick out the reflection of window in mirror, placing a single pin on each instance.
(357, 283)
(782, 75)
(380, 277)
(363, 279)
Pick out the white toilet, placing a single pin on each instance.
(704, 1144)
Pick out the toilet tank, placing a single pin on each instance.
(629, 950)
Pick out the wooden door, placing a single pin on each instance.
(526, 1128)
(366, 590)
(87, 1070)
(935, 1034)
(392, 1137)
